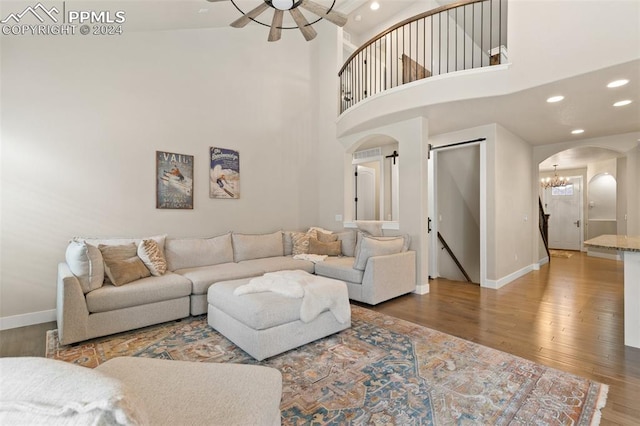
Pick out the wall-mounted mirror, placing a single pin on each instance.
(376, 184)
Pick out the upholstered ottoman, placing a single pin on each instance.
(266, 323)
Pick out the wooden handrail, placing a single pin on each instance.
(543, 224)
(453, 256)
(405, 22)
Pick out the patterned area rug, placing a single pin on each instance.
(382, 370)
(561, 253)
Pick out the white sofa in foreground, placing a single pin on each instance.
(176, 274)
(138, 391)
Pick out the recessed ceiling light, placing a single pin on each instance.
(622, 103)
(555, 99)
(203, 10)
(375, 5)
(577, 131)
(618, 83)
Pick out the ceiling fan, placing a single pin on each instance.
(281, 6)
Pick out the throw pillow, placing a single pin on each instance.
(374, 246)
(333, 248)
(288, 244)
(348, 240)
(85, 262)
(300, 242)
(122, 264)
(370, 227)
(151, 255)
(325, 237)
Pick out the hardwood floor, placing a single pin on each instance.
(568, 315)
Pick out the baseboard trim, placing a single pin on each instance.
(604, 255)
(422, 289)
(536, 266)
(24, 320)
(496, 284)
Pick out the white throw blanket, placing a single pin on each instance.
(41, 391)
(318, 293)
(315, 258)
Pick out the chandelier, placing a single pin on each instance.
(555, 181)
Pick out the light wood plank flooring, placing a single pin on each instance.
(568, 315)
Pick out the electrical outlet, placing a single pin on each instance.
(338, 218)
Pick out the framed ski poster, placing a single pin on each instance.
(224, 176)
(174, 181)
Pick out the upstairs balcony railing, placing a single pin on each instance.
(460, 36)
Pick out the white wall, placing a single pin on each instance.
(515, 215)
(412, 138)
(329, 155)
(633, 195)
(83, 117)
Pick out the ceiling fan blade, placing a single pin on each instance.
(276, 26)
(244, 20)
(307, 30)
(332, 16)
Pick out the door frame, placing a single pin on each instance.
(583, 195)
(380, 160)
(433, 205)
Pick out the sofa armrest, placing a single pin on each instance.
(386, 277)
(71, 307)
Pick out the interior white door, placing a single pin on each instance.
(366, 193)
(565, 223)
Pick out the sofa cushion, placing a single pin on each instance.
(348, 240)
(279, 263)
(160, 239)
(259, 311)
(257, 246)
(376, 246)
(152, 257)
(85, 262)
(41, 391)
(339, 268)
(202, 277)
(146, 290)
(194, 252)
(200, 393)
(122, 264)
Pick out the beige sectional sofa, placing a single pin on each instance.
(89, 305)
(138, 391)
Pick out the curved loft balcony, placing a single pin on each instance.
(549, 50)
(466, 35)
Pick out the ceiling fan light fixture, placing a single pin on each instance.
(282, 4)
